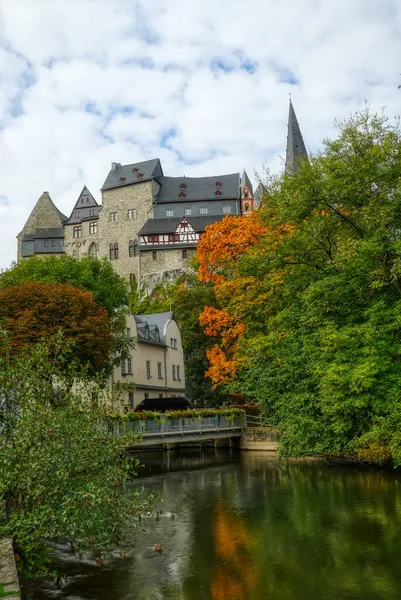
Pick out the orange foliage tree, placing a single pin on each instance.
(218, 253)
(35, 311)
(240, 291)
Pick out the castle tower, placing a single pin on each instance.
(247, 199)
(81, 229)
(43, 224)
(296, 150)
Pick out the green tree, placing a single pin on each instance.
(109, 289)
(62, 470)
(322, 348)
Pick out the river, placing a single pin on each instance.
(241, 526)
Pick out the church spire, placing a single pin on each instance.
(296, 150)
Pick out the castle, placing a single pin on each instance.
(148, 224)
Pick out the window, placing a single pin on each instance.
(46, 243)
(77, 231)
(148, 369)
(122, 179)
(154, 239)
(113, 216)
(217, 193)
(154, 255)
(169, 212)
(91, 212)
(92, 250)
(203, 211)
(77, 214)
(132, 278)
(159, 370)
(178, 373)
(181, 195)
(218, 184)
(183, 186)
(131, 400)
(123, 371)
(129, 366)
(174, 374)
(128, 332)
(160, 395)
(140, 175)
(131, 248)
(54, 243)
(146, 395)
(188, 212)
(184, 253)
(111, 252)
(173, 237)
(226, 210)
(115, 250)
(61, 243)
(132, 213)
(82, 200)
(93, 227)
(173, 343)
(74, 253)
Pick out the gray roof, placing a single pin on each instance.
(44, 233)
(259, 193)
(151, 323)
(198, 188)
(245, 181)
(296, 150)
(170, 225)
(122, 175)
(85, 203)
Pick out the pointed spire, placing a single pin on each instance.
(245, 181)
(296, 150)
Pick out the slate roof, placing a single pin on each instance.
(44, 233)
(150, 322)
(296, 150)
(198, 188)
(170, 225)
(126, 175)
(245, 181)
(89, 204)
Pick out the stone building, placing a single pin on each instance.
(148, 224)
(155, 368)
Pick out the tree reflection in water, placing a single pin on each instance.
(257, 529)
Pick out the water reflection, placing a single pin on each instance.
(254, 528)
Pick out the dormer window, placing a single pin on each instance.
(140, 175)
(218, 184)
(183, 186)
(218, 193)
(77, 214)
(82, 200)
(134, 170)
(181, 195)
(122, 179)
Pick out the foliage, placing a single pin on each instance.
(158, 301)
(35, 311)
(171, 415)
(62, 474)
(316, 298)
(109, 289)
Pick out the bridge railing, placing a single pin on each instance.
(182, 426)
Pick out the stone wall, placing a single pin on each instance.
(121, 231)
(9, 586)
(259, 438)
(167, 265)
(79, 247)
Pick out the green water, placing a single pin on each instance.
(252, 528)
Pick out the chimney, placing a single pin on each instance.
(114, 166)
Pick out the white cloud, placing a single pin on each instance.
(203, 85)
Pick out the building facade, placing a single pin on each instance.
(155, 368)
(148, 224)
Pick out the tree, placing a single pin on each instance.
(109, 289)
(321, 331)
(62, 469)
(33, 312)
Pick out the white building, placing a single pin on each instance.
(156, 366)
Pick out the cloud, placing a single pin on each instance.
(202, 85)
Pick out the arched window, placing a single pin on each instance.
(136, 248)
(111, 252)
(131, 248)
(92, 250)
(115, 250)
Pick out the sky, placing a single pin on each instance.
(201, 84)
